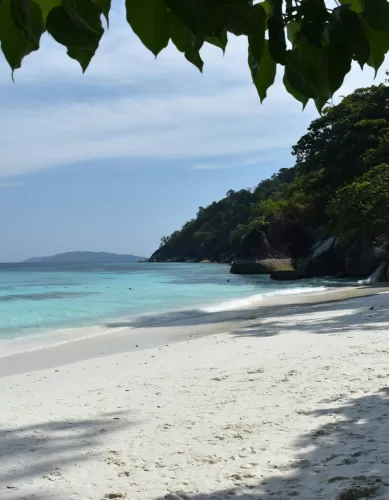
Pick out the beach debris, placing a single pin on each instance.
(113, 495)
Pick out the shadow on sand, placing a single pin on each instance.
(43, 449)
(283, 307)
(344, 459)
(345, 317)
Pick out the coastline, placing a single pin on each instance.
(74, 345)
(291, 402)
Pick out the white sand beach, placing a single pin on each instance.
(287, 401)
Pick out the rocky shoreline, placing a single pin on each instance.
(284, 250)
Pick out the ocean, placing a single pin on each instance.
(39, 298)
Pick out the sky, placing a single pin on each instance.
(126, 153)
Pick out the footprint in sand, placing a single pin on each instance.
(254, 372)
(114, 459)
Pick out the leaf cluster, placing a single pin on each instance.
(312, 43)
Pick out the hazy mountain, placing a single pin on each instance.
(85, 257)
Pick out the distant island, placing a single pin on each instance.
(85, 258)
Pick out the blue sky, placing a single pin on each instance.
(114, 159)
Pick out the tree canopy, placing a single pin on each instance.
(313, 42)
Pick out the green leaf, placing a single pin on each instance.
(263, 72)
(314, 20)
(27, 16)
(76, 28)
(297, 87)
(185, 40)
(292, 28)
(305, 59)
(192, 12)
(150, 21)
(277, 42)
(312, 64)
(379, 45)
(21, 15)
(292, 91)
(220, 40)
(46, 6)
(105, 6)
(179, 32)
(266, 7)
(376, 13)
(192, 54)
(355, 5)
(83, 56)
(337, 63)
(275, 8)
(241, 18)
(194, 57)
(354, 34)
(15, 43)
(256, 41)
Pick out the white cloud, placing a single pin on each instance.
(229, 123)
(266, 155)
(161, 109)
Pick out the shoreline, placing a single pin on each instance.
(292, 401)
(46, 351)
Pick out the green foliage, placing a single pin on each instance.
(21, 26)
(217, 230)
(322, 41)
(331, 153)
(360, 211)
(150, 21)
(340, 183)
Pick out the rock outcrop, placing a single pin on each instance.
(286, 250)
(361, 260)
(256, 245)
(256, 266)
(287, 236)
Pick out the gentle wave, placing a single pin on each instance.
(228, 306)
(253, 300)
(223, 311)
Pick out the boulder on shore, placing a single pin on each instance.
(265, 266)
(362, 260)
(288, 236)
(256, 245)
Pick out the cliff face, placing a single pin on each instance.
(311, 254)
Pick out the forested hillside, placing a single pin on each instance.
(338, 185)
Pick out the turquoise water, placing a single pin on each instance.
(37, 298)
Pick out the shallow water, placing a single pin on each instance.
(38, 298)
